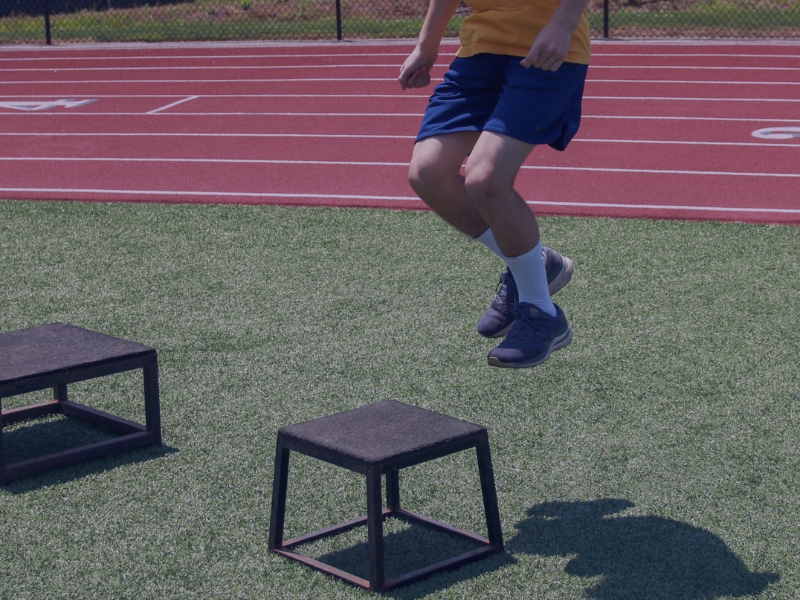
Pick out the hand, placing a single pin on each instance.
(416, 70)
(550, 48)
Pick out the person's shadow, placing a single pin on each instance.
(637, 557)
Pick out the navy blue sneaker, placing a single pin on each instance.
(533, 337)
(498, 318)
(558, 268)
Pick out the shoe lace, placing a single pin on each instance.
(502, 282)
(525, 329)
(501, 298)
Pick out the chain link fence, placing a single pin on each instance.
(71, 21)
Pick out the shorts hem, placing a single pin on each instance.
(556, 144)
(437, 132)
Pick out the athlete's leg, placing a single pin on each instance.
(490, 173)
(435, 175)
(540, 327)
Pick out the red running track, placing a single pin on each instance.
(673, 130)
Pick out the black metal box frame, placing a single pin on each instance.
(374, 470)
(92, 360)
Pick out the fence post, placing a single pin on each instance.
(339, 20)
(605, 18)
(47, 21)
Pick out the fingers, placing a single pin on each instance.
(552, 63)
(547, 60)
(549, 49)
(417, 79)
(421, 77)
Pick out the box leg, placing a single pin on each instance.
(393, 489)
(60, 393)
(489, 492)
(2, 448)
(375, 528)
(279, 487)
(152, 404)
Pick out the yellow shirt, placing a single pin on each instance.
(510, 26)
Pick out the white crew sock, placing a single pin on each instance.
(487, 239)
(531, 279)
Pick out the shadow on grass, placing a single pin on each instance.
(414, 548)
(48, 435)
(637, 557)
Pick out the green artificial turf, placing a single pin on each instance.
(654, 458)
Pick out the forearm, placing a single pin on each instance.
(436, 21)
(568, 14)
(551, 47)
(416, 70)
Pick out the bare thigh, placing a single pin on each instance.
(435, 175)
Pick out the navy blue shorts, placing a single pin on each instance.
(493, 92)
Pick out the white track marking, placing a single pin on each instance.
(41, 105)
(659, 118)
(394, 137)
(595, 54)
(661, 171)
(223, 135)
(349, 163)
(683, 99)
(173, 193)
(791, 211)
(366, 79)
(777, 133)
(224, 56)
(158, 110)
(212, 67)
(419, 96)
(416, 115)
(361, 66)
(694, 143)
(414, 97)
(247, 113)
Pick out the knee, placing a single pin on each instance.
(482, 185)
(424, 174)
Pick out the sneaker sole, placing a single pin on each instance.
(562, 278)
(558, 343)
(501, 333)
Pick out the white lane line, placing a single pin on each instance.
(661, 171)
(360, 66)
(231, 135)
(659, 118)
(369, 79)
(158, 110)
(684, 99)
(791, 211)
(417, 115)
(206, 194)
(349, 163)
(231, 56)
(224, 67)
(689, 143)
(411, 96)
(599, 53)
(384, 137)
(595, 54)
(239, 114)
(232, 161)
